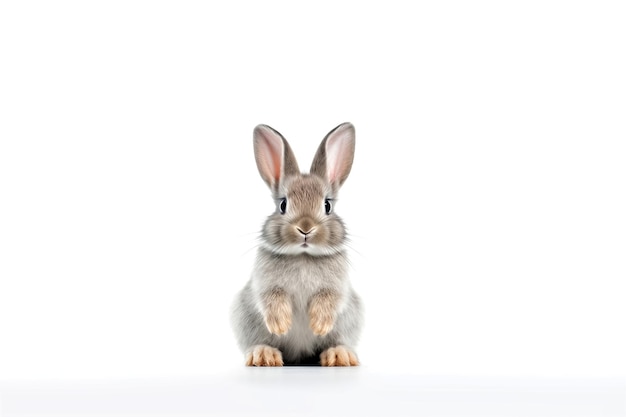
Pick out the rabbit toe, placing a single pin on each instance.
(339, 356)
(263, 355)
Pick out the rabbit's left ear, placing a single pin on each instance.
(333, 159)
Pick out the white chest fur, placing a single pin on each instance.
(300, 276)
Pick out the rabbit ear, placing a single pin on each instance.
(334, 157)
(273, 155)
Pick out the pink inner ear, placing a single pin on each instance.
(269, 149)
(334, 155)
(339, 155)
(276, 155)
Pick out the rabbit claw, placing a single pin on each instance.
(263, 355)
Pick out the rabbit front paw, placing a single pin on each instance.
(321, 323)
(278, 322)
(322, 313)
(278, 312)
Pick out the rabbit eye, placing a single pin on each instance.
(283, 205)
(328, 206)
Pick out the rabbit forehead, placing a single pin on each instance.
(306, 189)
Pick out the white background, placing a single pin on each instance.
(486, 202)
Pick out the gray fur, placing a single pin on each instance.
(298, 271)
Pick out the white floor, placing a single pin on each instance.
(312, 391)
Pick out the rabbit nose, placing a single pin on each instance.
(311, 230)
(305, 226)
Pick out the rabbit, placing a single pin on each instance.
(298, 306)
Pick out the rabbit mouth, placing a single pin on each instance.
(305, 236)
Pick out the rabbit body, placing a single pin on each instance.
(298, 303)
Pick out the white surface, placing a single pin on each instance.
(486, 202)
(317, 392)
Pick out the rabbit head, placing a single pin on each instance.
(304, 221)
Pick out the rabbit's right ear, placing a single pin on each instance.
(274, 157)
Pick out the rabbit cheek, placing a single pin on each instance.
(320, 237)
(336, 233)
(292, 235)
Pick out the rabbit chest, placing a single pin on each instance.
(301, 276)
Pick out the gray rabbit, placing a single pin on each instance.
(298, 306)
